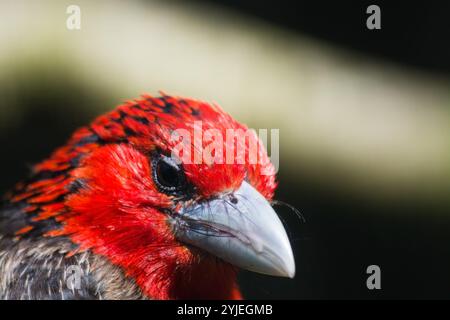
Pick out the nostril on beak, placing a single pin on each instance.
(233, 199)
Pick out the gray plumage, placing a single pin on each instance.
(33, 269)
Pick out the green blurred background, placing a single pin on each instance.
(364, 135)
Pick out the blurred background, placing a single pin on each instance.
(364, 116)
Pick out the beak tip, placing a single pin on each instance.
(288, 263)
(289, 271)
(280, 267)
(291, 274)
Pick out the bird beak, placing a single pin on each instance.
(240, 228)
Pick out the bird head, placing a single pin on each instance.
(180, 225)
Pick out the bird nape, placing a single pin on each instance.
(117, 214)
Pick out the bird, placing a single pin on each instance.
(114, 214)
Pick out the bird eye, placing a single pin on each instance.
(168, 175)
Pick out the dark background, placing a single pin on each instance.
(410, 242)
(413, 33)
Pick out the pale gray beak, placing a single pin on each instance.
(241, 228)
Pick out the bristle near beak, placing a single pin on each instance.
(240, 228)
